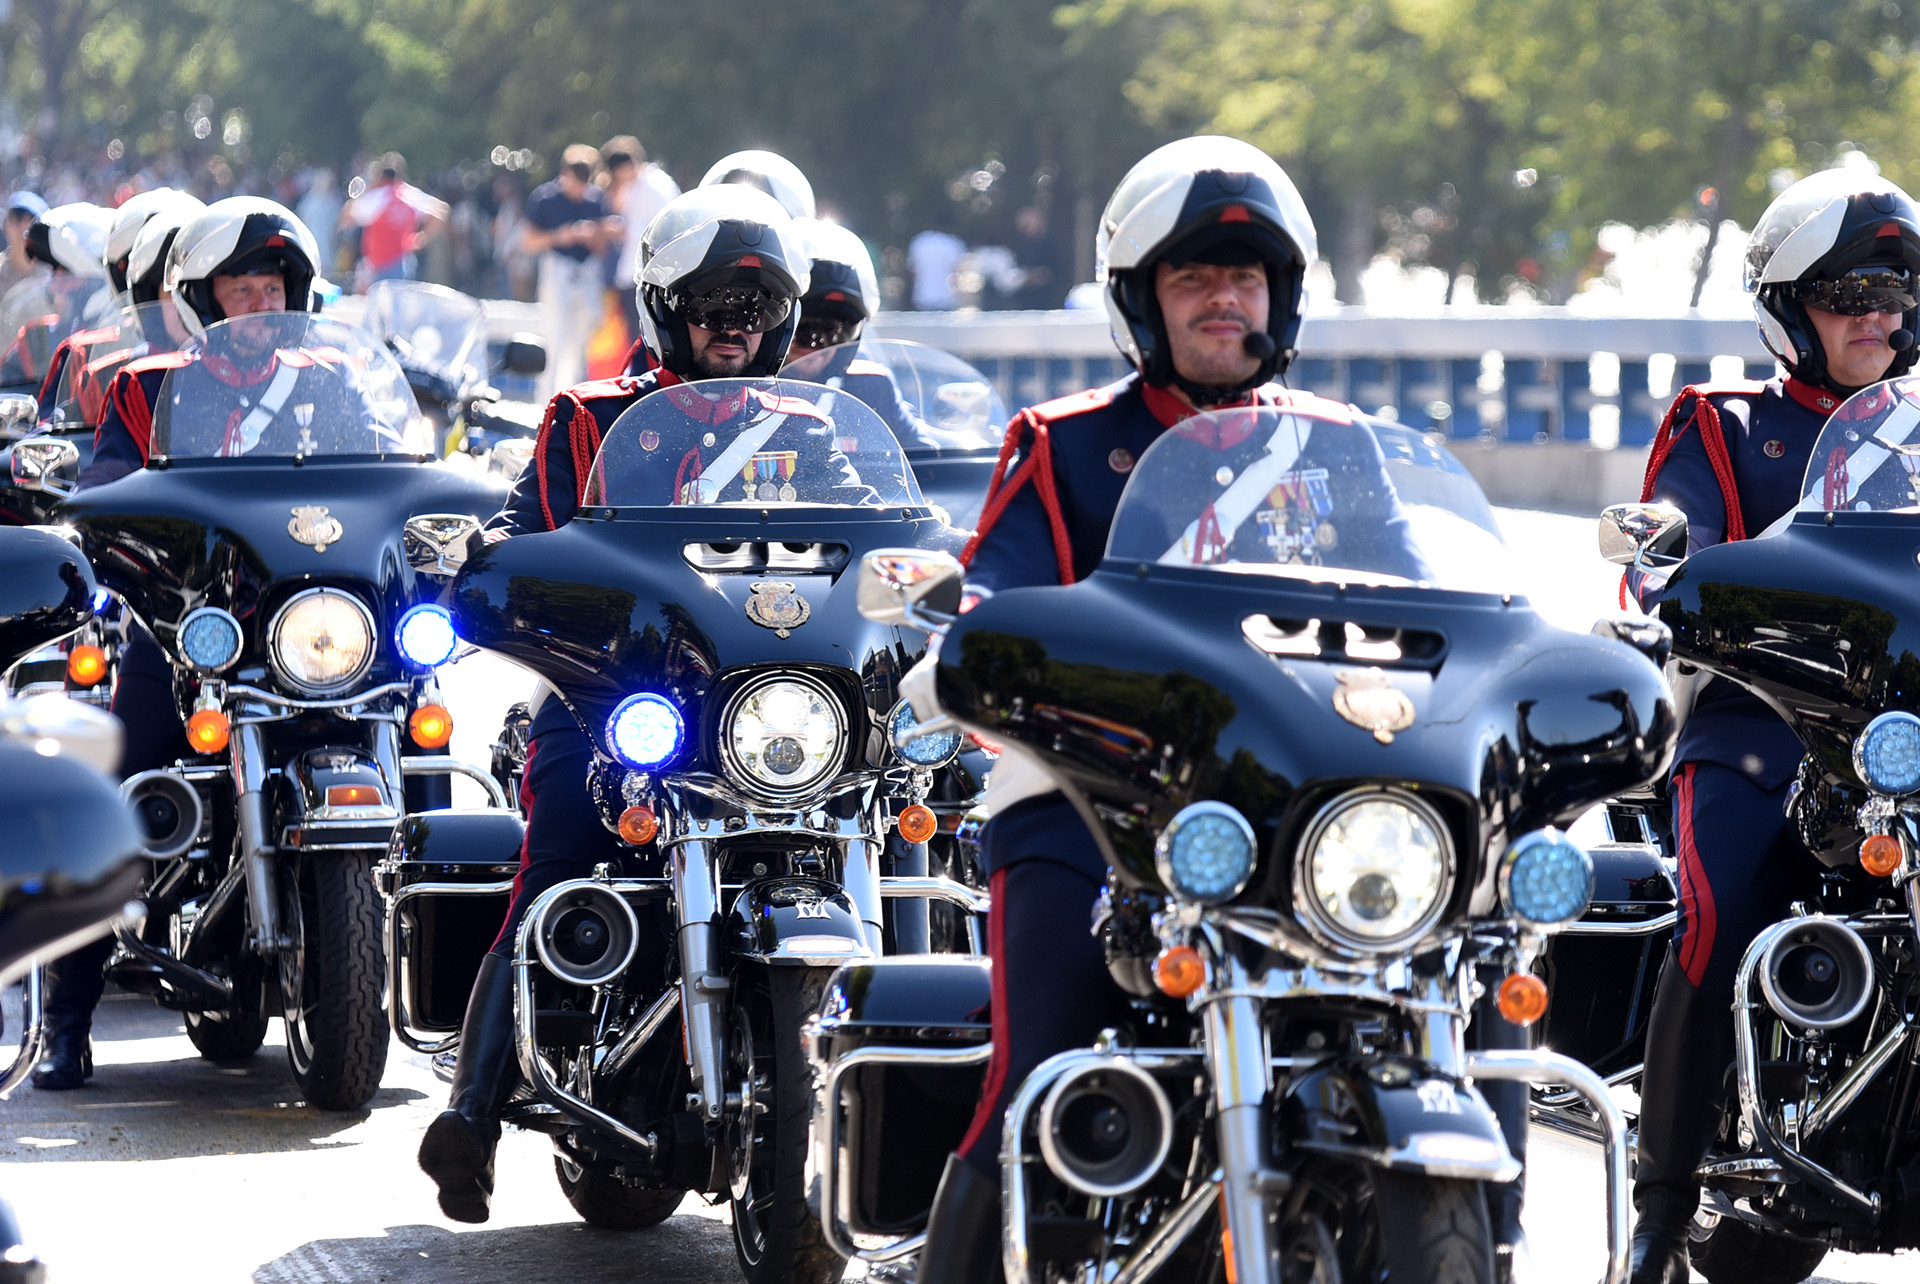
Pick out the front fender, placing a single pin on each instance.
(795, 922)
(1394, 1112)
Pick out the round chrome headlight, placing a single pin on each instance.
(929, 750)
(1545, 878)
(782, 735)
(1887, 754)
(210, 638)
(1206, 853)
(1374, 871)
(322, 640)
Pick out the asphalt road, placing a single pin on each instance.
(167, 1167)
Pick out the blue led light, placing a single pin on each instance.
(931, 750)
(426, 636)
(210, 638)
(100, 599)
(1548, 879)
(645, 731)
(1206, 853)
(1888, 754)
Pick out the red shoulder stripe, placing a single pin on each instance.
(161, 361)
(129, 399)
(540, 446)
(1078, 403)
(1706, 417)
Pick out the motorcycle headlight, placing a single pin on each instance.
(426, 635)
(210, 638)
(1206, 853)
(323, 640)
(1887, 754)
(1374, 871)
(782, 735)
(1546, 879)
(645, 731)
(933, 749)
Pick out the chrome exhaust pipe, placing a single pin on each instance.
(168, 811)
(1817, 973)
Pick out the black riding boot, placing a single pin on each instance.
(1682, 1097)
(74, 985)
(963, 1229)
(457, 1151)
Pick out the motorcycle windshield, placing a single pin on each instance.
(1867, 458)
(430, 328)
(934, 402)
(1308, 496)
(37, 313)
(768, 443)
(287, 384)
(138, 330)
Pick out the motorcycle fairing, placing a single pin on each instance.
(1396, 1113)
(314, 825)
(795, 922)
(46, 593)
(1151, 692)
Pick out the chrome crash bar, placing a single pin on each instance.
(399, 1016)
(442, 765)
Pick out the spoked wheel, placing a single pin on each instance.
(775, 1235)
(1729, 1251)
(242, 1028)
(1346, 1224)
(331, 982)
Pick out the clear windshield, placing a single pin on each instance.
(430, 328)
(1307, 496)
(932, 400)
(1867, 459)
(761, 442)
(136, 331)
(286, 384)
(38, 313)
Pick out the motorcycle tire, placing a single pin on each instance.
(1405, 1227)
(609, 1203)
(238, 1032)
(337, 1027)
(1730, 1251)
(776, 1236)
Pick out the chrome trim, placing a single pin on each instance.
(249, 759)
(703, 986)
(828, 1145)
(399, 1016)
(779, 794)
(33, 1021)
(614, 1063)
(340, 702)
(1541, 1066)
(1332, 935)
(359, 671)
(1863, 957)
(1644, 927)
(1050, 1151)
(239, 638)
(600, 893)
(945, 889)
(1240, 1073)
(442, 764)
(1163, 849)
(1171, 1232)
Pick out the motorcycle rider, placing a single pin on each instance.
(1202, 254)
(42, 310)
(719, 277)
(240, 256)
(772, 173)
(1831, 266)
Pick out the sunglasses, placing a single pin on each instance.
(1861, 291)
(825, 332)
(735, 309)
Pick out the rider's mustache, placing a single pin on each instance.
(1221, 314)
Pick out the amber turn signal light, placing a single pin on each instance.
(431, 726)
(638, 825)
(86, 665)
(917, 824)
(207, 731)
(1880, 855)
(1179, 971)
(1523, 998)
(354, 796)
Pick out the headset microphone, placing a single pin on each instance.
(1900, 340)
(1259, 345)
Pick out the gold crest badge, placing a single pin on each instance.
(772, 604)
(312, 525)
(1369, 701)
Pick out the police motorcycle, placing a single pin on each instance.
(1326, 757)
(700, 623)
(439, 336)
(1820, 1147)
(265, 546)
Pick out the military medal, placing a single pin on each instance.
(649, 440)
(1325, 535)
(769, 475)
(1774, 449)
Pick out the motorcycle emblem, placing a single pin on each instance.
(312, 525)
(810, 909)
(1369, 701)
(1436, 1098)
(1774, 449)
(772, 604)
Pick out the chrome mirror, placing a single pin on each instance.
(910, 586)
(46, 463)
(18, 414)
(436, 543)
(1647, 537)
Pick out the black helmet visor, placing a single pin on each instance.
(1861, 291)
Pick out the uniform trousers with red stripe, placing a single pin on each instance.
(1742, 865)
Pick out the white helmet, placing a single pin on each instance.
(232, 236)
(73, 237)
(843, 291)
(145, 268)
(127, 222)
(724, 256)
(772, 173)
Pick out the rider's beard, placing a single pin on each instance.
(707, 366)
(1211, 364)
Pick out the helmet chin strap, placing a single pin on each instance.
(1257, 344)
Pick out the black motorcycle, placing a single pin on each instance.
(1324, 756)
(1820, 1146)
(269, 547)
(697, 616)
